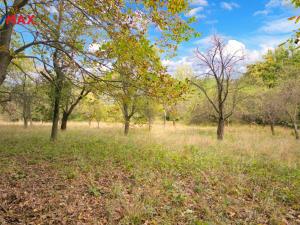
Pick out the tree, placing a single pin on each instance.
(171, 91)
(99, 112)
(269, 72)
(22, 86)
(271, 108)
(290, 98)
(24, 96)
(71, 100)
(219, 64)
(173, 114)
(133, 72)
(99, 116)
(62, 61)
(87, 107)
(273, 75)
(149, 108)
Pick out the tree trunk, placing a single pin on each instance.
(296, 131)
(98, 124)
(68, 111)
(64, 121)
(30, 113)
(55, 118)
(25, 119)
(25, 116)
(57, 97)
(220, 130)
(5, 40)
(4, 63)
(165, 118)
(90, 123)
(5, 57)
(149, 124)
(126, 126)
(174, 123)
(272, 128)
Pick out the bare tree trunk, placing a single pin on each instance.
(64, 121)
(272, 128)
(98, 124)
(220, 130)
(165, 118)
(174, 123)
(126, 126)
(296, 130)
(90, 122)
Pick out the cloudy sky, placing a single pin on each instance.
(255, 26)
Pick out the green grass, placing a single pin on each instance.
(172, 176)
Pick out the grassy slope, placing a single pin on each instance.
(171, 176)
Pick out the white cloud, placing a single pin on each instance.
(277, 3)
(211, 22)
(235, 47)
(194, 11)
(270, 42)
(201, 16)
(199, 2)
(261, 12)
(172, 65)
(253, 56)
(199, 6)
(271, 4)
(229, 5)
(263, 43)
(280, 26)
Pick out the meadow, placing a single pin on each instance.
(171, 175)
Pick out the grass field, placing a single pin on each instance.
(170, 176)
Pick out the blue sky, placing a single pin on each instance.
(256, 26)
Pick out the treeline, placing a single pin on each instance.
(93, 61)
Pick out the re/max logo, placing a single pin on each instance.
(17, 19)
